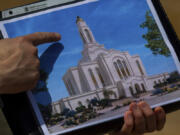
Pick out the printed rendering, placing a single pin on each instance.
(111, 54)
(105, 71)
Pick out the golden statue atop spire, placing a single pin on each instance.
(79, 19)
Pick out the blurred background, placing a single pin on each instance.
(172, 10)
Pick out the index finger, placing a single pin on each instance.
(42, 37)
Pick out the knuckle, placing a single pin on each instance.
(34, 50)
(140, 122)
(36, 76)
(139, 116)
(129, 125)
(21, 40)
(40, 34)
(150, 115)
(37, 33)
(37, 62)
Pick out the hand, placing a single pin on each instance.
(141, 119)
(19, 63)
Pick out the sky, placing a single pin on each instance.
(114, 23)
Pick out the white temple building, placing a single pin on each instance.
(101, 69)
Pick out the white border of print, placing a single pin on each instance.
(165, 37)
(30, 95)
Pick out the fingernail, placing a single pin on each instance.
(57, 34)
(160, 111)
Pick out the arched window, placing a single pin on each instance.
(93, 78)
(69, 90)
(83, 37)
(117, 69)
(155, 83)
(131, 90)
(139, 66)
(100, 77)
(143, 87)
(164, 80)
(88, 36)
(137, 88)
(71, 87)
(122, 68)
(159, 81)
(126, 67)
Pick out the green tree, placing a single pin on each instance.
(174, 77)
(153, 36)
(108, 93)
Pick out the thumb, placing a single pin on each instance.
(128, 124)
(42, 37)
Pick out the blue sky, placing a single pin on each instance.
(114, 23)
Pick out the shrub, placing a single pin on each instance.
(127, 102)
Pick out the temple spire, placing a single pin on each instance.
(91, 48)
(85, 32)
(78, 19)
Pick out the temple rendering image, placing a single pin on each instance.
(101, 69)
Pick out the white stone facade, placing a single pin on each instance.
(101, 69)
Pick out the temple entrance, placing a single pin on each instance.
(143, 87)
(138, 89)
(131, 90)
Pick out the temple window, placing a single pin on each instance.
(143, 87)
(137, 87)
(159, 81)
(93, 78)
(126, 67)
(71, 88)
(118, 71)
(82, 37)
(100, 77)
(139, 66)
(155, 83)
(131, 90)
(122, 68)
(88, 35)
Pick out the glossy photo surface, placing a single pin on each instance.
(111, 54)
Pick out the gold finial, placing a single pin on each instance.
(78, 19)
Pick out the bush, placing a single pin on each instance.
(82, 119)
(127, 102)
(105, 103)
(117, 107)
(71, 113)
(94, 102)
(91, 115)
(65, 111)
(80, 109)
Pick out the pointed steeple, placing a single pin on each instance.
(85, 32)
(91, 47)
(78, 19)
